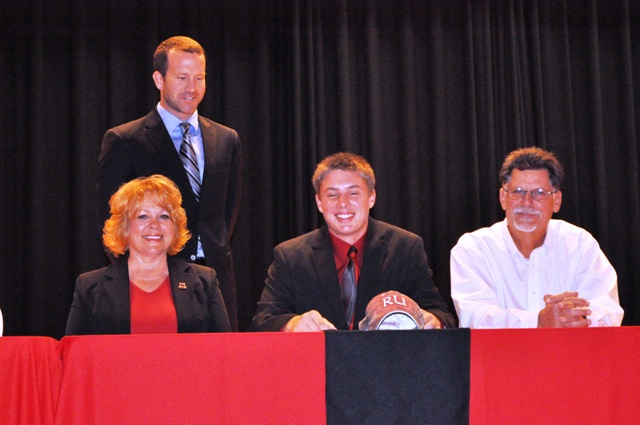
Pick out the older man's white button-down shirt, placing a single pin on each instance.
(494, 286)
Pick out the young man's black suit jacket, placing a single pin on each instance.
(144, 147)
(102, 305)
(303, 277)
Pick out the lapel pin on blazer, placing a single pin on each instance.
(182, 285)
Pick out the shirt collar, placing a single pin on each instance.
(546, 246)
(172, 122)
(341, 248)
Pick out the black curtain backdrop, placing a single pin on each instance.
(433, 93)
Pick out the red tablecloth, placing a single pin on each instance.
(518, 376)
(268, 378)
(554, 376)
(30, 374)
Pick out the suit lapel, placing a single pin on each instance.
(209, 142)
(116, 287)
(181, 287)
(325, 267)
(375, 253)
(160, 139)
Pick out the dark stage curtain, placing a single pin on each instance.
(433, 93)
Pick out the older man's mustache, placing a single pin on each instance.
(526, 210)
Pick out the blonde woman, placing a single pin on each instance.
(146, 289)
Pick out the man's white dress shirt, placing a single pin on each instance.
(494, 286)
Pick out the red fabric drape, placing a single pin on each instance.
(30, 376)
(193, 379)
(548, 376)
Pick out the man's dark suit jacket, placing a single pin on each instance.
(101, 302)
(144, 147)
(303, 277)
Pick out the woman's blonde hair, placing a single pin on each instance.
(126, 202)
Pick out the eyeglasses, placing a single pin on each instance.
(536, 194)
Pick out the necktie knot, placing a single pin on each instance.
(185, 126)
(353, 252)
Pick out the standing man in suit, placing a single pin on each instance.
(304, 287)
(201, 156)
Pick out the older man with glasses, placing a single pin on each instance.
(528, 270)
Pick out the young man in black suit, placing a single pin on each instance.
(210, 183)
(304, 287)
